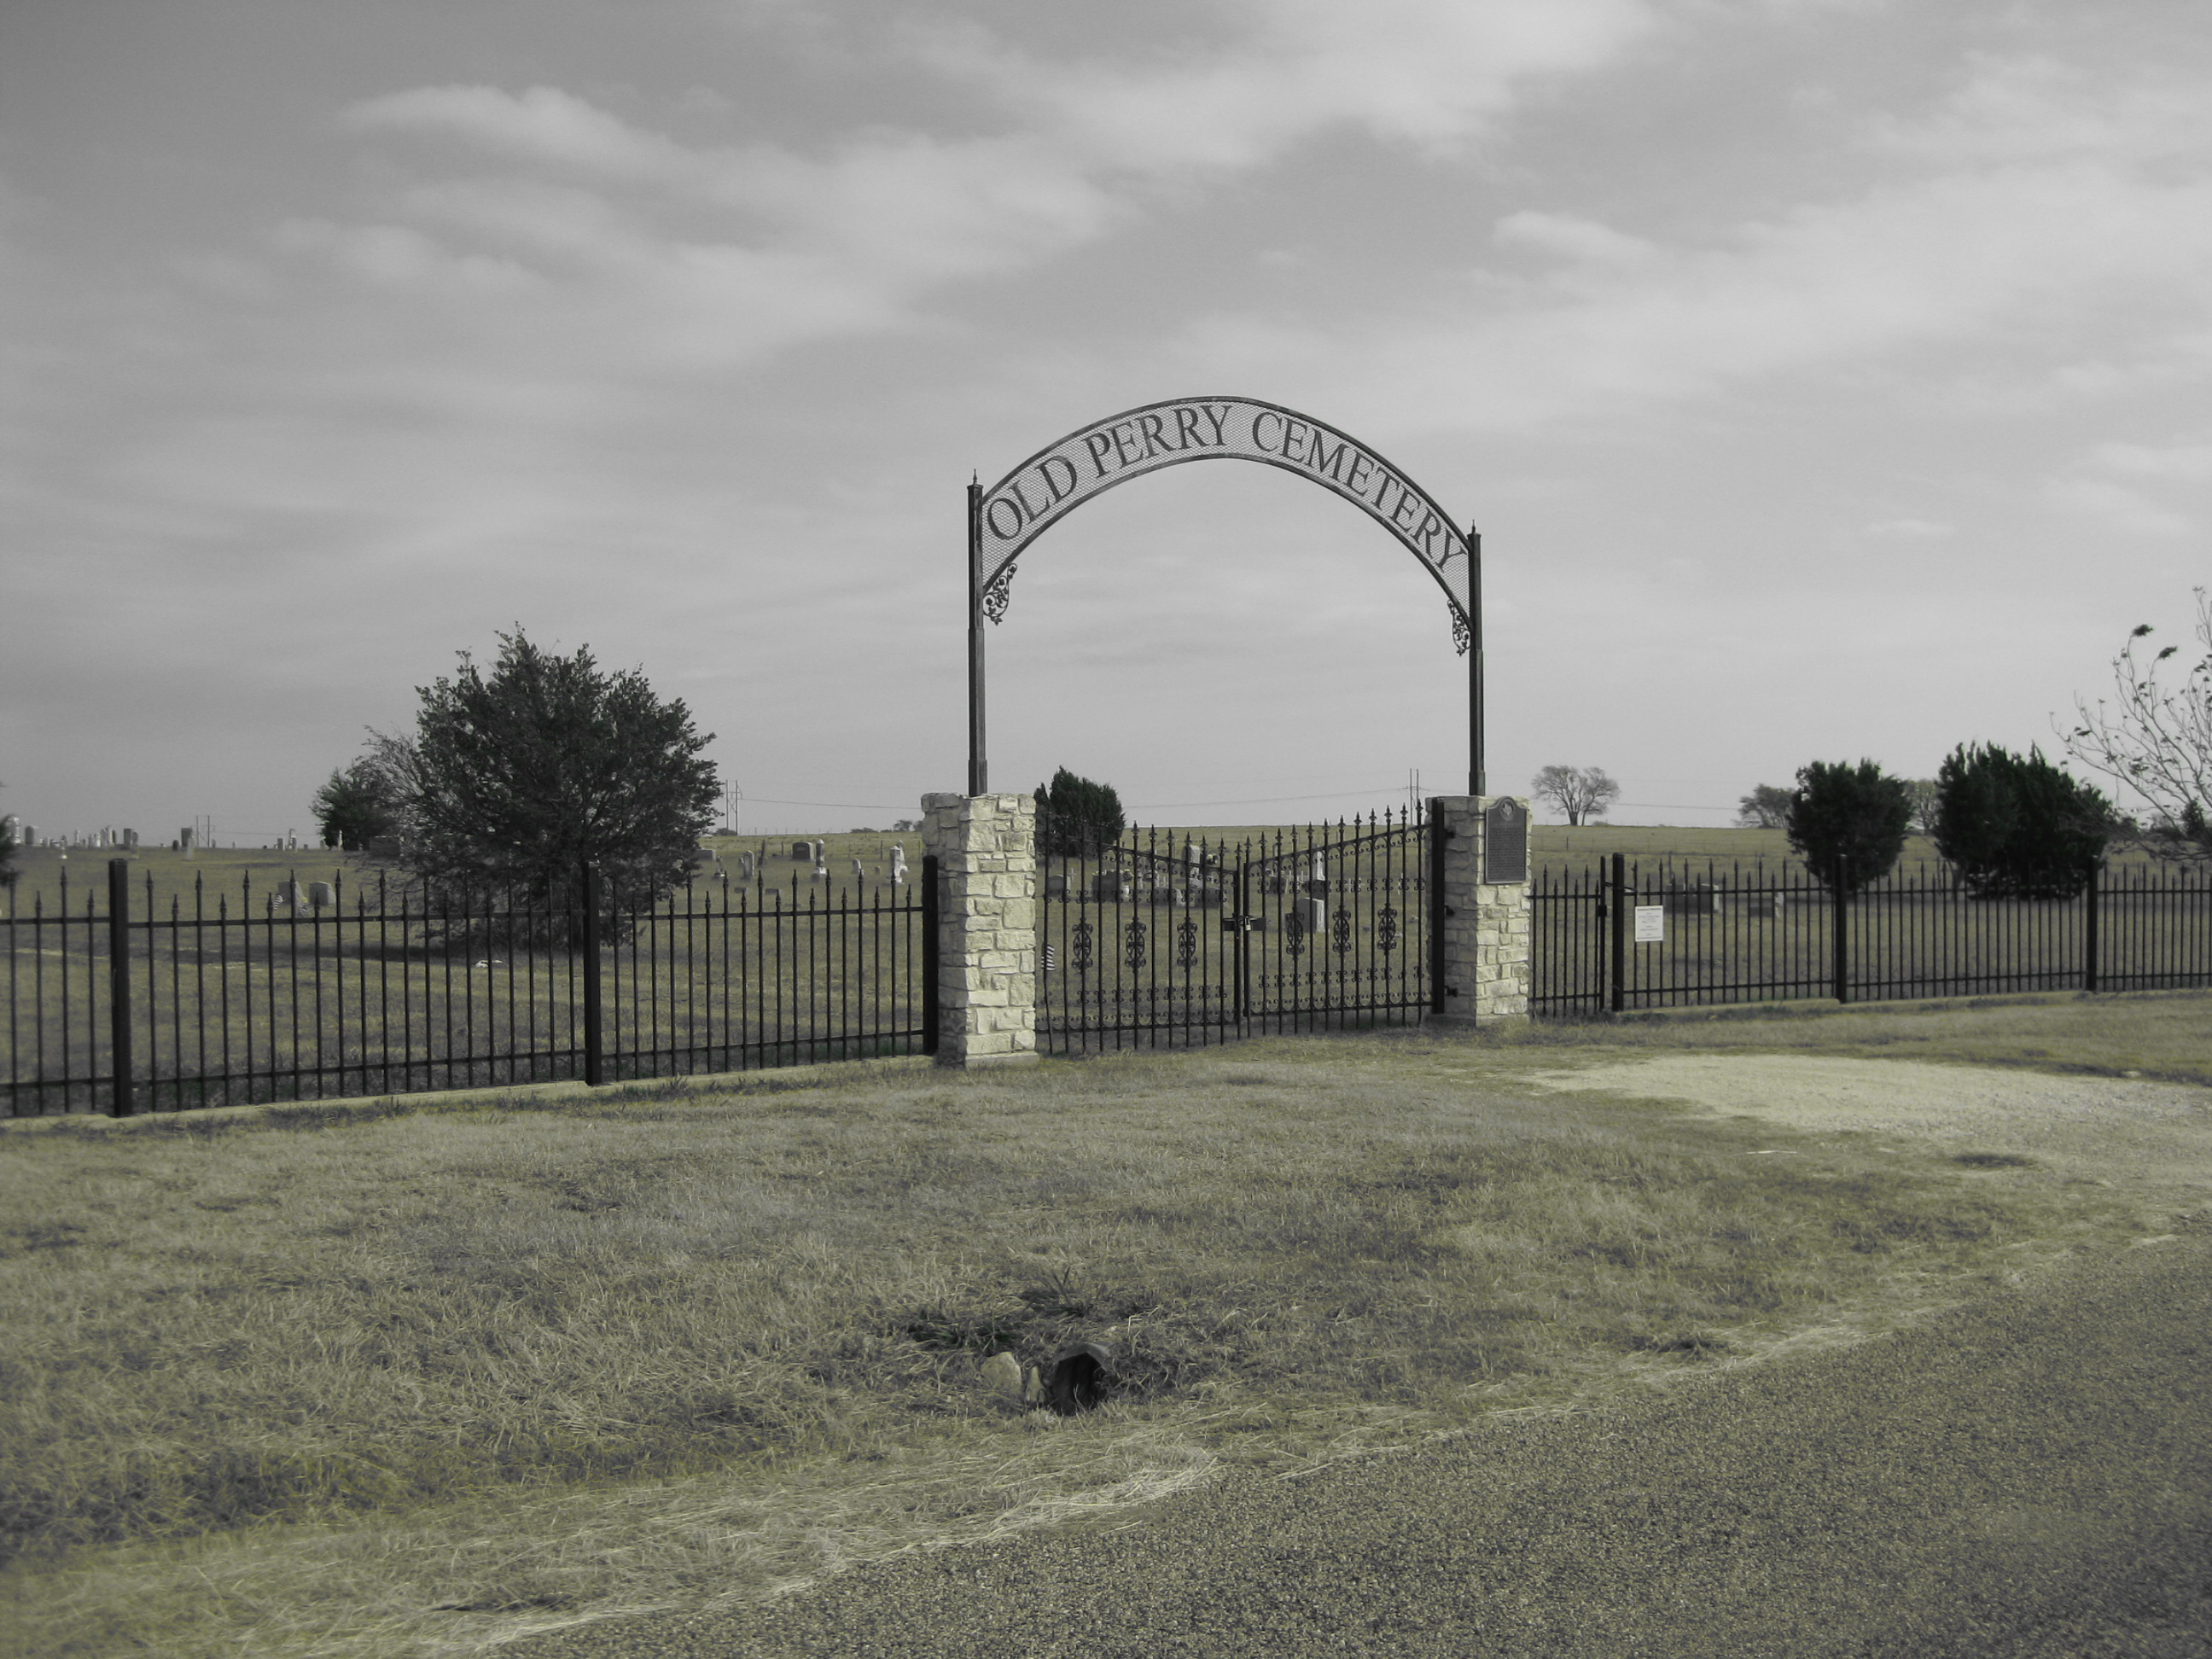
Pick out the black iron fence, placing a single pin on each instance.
(320, 989)
(1160, 938)
(1629, 936)
(124, 1001)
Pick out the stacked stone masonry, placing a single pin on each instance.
(986, 850)
(1487, 934)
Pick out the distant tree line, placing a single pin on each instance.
(2012, 826)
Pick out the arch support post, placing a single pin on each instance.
(985, 848)
(979, 770)
(1486, 933)
(1478, 779)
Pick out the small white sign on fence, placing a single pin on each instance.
(1650, 924)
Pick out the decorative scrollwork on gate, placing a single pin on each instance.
(1133, 944)
(1339, 933)
(1079, 946)
(1386, 930)
(1187, 943)
(1294, 934)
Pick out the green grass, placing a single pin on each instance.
(400, 1377)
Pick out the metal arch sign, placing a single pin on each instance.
(1004, 519)
(1091, 460)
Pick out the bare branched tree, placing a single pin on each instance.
(1925, 793)
(1581, 791)
(1766, 807)
(2155, 739)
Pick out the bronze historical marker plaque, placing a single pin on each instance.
(1505, 842)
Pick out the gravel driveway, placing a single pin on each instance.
(2029, 1476)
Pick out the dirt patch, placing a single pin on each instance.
(2108, 1128)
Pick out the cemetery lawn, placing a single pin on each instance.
(408, 1377)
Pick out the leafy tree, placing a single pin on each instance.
(514, 780)
(1848, 823)
(2158, 742)
(2018, 827)
(1581, 791)
(1076, 817)
(359, 804)
(1766, 807)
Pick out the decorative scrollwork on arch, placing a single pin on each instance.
(1462, 636)
(1000, 590)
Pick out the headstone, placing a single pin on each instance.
(1312, 912)
(821, 875)
(860, 870)
(818, 851)
(1505, 842)
(1110, 884)
(744, 866)
(1699, 898)
(130, 838)
(1055, 886)
(320, 894)
(184, 839)
(288, 894)
(802, 851)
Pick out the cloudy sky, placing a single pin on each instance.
(1828, 379)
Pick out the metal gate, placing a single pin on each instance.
(1165, 938)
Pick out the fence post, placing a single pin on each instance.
(1485, 940)
(1439, 833)
(1617, 957)
(119, 980)
(1839, 926)
(594, 1032)
(932, 1022)
(987, 938)
(2089, 929)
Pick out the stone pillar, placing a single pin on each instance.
(1486, 930)
(987, 946)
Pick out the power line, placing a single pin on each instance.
(1262, 800)
(848, 806)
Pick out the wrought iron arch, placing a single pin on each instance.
(1004, 519)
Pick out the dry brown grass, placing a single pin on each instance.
(404, 1379)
